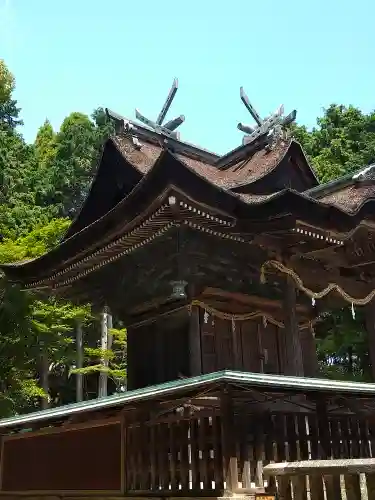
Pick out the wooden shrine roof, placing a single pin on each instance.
(123, 165)
(245, 171)
(252, 190)
(237, 213)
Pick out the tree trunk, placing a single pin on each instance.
(106, 343)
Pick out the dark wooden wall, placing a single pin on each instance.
(248, 346)
(85, 459)
(158, 352)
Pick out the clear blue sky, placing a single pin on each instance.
(75, 55)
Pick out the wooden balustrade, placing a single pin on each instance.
(351, 479)
(212, 452)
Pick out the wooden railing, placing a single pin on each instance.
(352, 479)
(216, 450)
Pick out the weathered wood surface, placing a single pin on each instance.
(223, 450)
(346, 479)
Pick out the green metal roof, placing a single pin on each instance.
(256, 380)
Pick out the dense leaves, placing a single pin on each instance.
(42, 187)
(342, 142)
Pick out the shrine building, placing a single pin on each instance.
(219, 266)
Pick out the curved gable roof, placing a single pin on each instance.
(169, 174)
(250, 168)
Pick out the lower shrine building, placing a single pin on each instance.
(214, 264)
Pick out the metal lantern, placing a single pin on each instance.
(178, 291)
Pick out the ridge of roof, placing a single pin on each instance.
(132, 128)
(247, 171)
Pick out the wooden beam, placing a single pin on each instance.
(293, 342)
(327, 253)
(316, 277)
(257, 302)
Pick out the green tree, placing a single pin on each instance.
(112, 361)
(73, 158)
(45, 145)
(32, 327)
(20, 179)
(342, 142)
(37, 183)
(9, 112)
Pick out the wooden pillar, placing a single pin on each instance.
(195, 346)
(228, 433)
(323, 428)
(79, 361)
(260, 349)
(309, 354)
(294, 365)
(106, 343)
(370, 327)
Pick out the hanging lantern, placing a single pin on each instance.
(178, 291)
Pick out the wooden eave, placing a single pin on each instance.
(170, 177)
(119, 171)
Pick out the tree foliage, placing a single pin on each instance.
(42, 187)
(342, 142)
